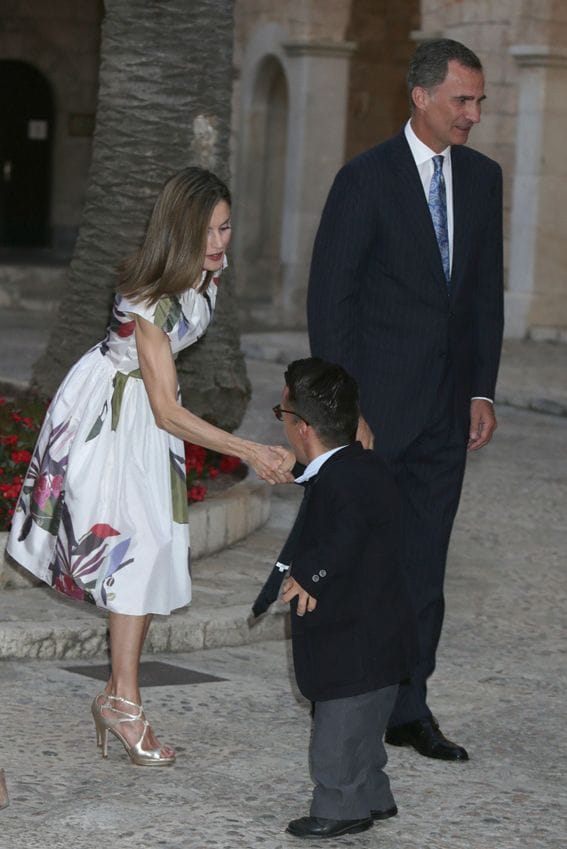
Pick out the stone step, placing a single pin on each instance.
(45, 626)
(39, 623)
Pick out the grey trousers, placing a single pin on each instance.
(347, 755)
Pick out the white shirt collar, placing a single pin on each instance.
(313, 467)
(420, 152)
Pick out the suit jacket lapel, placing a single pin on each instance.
(463, 210)
(416, 209)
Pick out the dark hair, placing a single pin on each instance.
(171, 257)
(326, 396)
(429, 64)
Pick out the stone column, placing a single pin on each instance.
(318, 84)
(536, 302)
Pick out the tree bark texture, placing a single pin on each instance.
(164, 103)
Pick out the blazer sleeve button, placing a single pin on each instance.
(315, 578)
(323, 573)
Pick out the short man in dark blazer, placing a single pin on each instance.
(353, 627)
(406, 293)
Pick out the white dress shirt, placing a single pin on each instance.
(313, 467)
(423, 157)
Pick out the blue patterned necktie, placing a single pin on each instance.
(438, 208)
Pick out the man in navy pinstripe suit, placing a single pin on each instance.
(415, 314)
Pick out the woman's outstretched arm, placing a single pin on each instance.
(271, 463)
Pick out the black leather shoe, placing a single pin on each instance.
(320, 827)
(384, 815)
(426, 737)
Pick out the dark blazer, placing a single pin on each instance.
(378, 302)
(361, 636)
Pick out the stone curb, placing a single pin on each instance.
(215, 523)
(185, 631)
(547, 406)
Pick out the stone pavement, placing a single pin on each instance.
(242, 769)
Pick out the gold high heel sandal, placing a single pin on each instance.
(104, 724)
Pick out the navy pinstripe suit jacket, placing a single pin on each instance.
(378, 302)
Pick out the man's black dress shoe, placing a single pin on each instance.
(426, 737)
(384, 815)
(320, 827)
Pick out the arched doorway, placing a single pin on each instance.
(262, 197)
(26, 130)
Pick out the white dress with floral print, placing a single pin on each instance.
(102, 515)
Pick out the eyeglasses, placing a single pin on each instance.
(278, 413)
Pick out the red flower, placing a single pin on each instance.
(193, 463)
(66, 585)
(56, 485)
(21, 456)
(195, 453)
(229, 464)
(10, 491)
(9, 440)
(104, 531)
(41, 491)
(197, 492)
(213, 472)
(126, 329)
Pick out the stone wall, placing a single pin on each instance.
(289, 120)
(523, 46)
(485, 28)
(338, 70)
(378, 102)
(316, 49)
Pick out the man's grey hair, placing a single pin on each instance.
(430, 62)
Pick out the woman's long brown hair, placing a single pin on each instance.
(171, 257)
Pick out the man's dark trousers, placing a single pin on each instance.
(429, 473)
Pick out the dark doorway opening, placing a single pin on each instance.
(26, 131)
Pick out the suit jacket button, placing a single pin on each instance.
(315, 578)
(323, 572)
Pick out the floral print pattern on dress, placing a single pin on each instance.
(42, 492)
(95, 552)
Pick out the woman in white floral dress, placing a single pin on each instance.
(102, 515)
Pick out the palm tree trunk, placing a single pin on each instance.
(163, 103)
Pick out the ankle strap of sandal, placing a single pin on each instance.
(127, 716)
